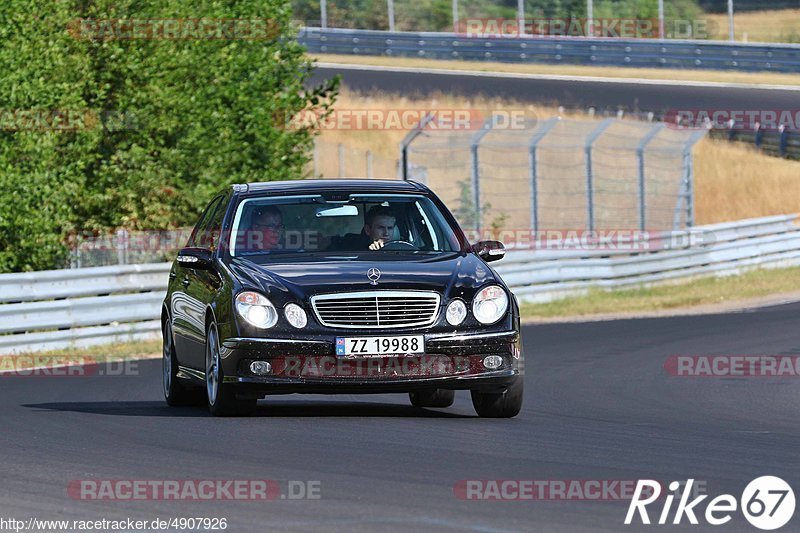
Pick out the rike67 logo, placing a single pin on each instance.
(767, 503)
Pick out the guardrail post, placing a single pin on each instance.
(589, 178)
(476, 178)
(640, 155)
(406, 142)
(533, 162)
(731, 129)
(783, 140)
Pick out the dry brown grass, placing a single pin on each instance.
(732, 180)
(777, 25)
(735, 181)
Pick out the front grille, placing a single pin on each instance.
(376, 309)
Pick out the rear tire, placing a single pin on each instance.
(505, 404)
(176, 393)
(432, 398)
(222, 400)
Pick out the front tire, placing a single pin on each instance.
(222, 400)
(505, 404)
(432, 398)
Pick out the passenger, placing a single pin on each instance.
(267, 228)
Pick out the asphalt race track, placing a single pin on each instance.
(632, 97)
(599, 405)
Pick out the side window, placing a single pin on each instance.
(199, 237)
(214, 227)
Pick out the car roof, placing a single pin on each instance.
(331, 185)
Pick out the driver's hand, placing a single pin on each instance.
(377, 245)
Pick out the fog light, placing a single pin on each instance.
(456, 312)
(295, 316)
(260, 368)
(493, 362)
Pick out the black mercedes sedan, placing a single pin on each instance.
(338, 286)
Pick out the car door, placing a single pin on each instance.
(187, 301)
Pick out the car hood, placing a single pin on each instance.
(454, 274)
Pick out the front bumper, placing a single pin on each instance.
(309, 365)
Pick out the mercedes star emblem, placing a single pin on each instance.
(374, 275)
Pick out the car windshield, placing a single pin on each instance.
(356, 223)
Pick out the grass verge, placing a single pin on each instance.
(107, 353)
(700, 292)
(718, 76)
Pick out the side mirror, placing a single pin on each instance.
(489, 250)
(197, 258)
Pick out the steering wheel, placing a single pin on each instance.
(399, 244)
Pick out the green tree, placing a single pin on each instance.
(192, 115)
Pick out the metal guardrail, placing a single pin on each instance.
(650, 53)
(782, 142)
(718, 249)
(80, 307)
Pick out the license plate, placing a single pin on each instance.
(380, 345)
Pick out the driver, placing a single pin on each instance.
(377, 231)
(267, 228)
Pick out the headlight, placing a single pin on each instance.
(295, 315)
(256, 309)
(490, 304)
(456, 312)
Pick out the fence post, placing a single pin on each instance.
(476, 177)
(122, 245)
(390, 9)
(532, 161)
(341, 160)
(640, 155)
(592, 137)
(409, 138)
(689, 164)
